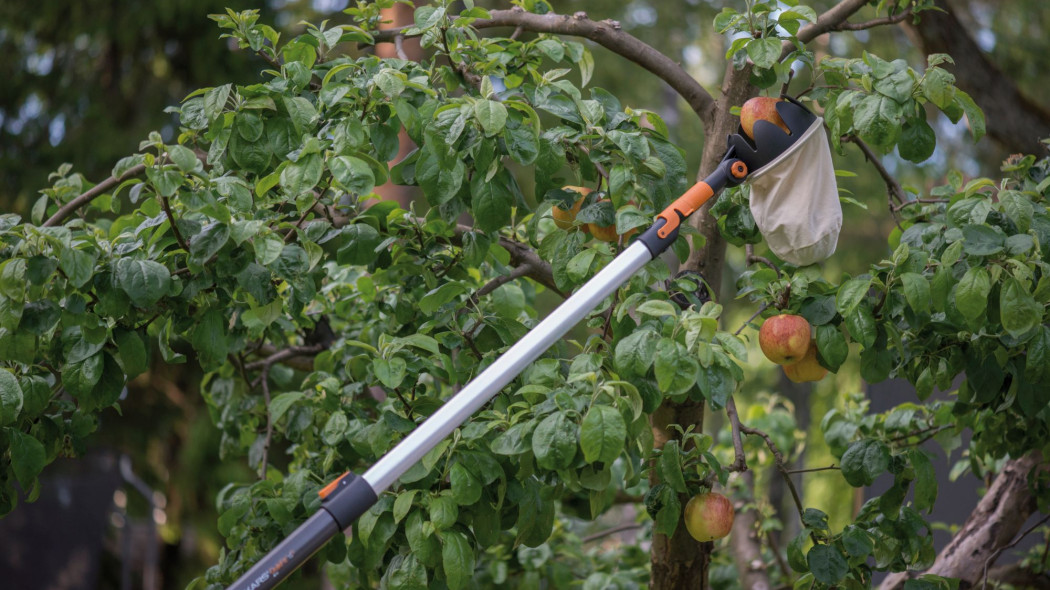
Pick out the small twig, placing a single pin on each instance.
(607, 326)
(264, 379)
(408, 406)
(516, 273)
(991, 559)
(929, 431)
(517, 33)
(778, 459)
(174, 227)
(896, 208)
(893, 187)
(298, 224)
(616, 529)
(813, 469)
(875, 22)
(753, 316)
(776, 553)
(285, 354)
(749, 251)
(740, 462)
(91, 194)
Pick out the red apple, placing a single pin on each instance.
(807, 369)
(784, 338)
(760, 108)
(709, 516)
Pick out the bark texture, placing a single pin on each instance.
(746, 546)
(1013, 120)
(680, 561)
(991, 526)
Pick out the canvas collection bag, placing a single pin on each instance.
(795, 200)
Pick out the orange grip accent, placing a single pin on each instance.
(683, 207)
(738, 169)
(331, 487)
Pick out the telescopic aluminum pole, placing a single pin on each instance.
(349, 496)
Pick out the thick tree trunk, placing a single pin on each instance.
(1013, 120)
(678, 562)
(681, 562)
(990, 527)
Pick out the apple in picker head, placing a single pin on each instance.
(784, 338)
(760, 108)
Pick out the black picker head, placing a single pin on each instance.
(770, 140)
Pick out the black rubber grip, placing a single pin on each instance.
(352, 498)
(654, 242)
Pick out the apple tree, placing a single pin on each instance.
(331, 323)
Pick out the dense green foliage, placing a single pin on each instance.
(255, 238)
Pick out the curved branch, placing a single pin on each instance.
(91, 194)
(875, 22)
(606, 33)
(828, 21)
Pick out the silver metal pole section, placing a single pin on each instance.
(486, 385)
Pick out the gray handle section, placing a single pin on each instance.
(493, 379)
(285, 558)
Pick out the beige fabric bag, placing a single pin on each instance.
(795, 201)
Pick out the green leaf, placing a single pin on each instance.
(916, 291)
(857, 541)
(657, 308)
(634, 354)
(982, 240)
(827, 564)
(466, 487)
(280, 404)
(863, 461)
(302, 113)
(897, 86)
(974, 114)
(492, 116)
(439, 296)
(403, 504)
(183, 157)
(361, 243)
(917, 141)
(405, 572)
(1018, 310)
(670, 466)
(209, 339)
(602, 434)
(765, 52)
(166, 180)
(390, 372)
(795, 555)
(633, 144)
(491, 201)
(457, 559)
(77, 265)
(443, 512)
(971, 295)
(145, 281)
(939, 87)
(815, 519)
(208, 242)
(352, 174)
(850, 294)
(28, 457)
(554, 442)
(670, 512)
(877, 117)
(299, 177)
(1037, 359)
(13, 279)
(675, 369)
(832, 346)
(334, 431)
(132, 352)
(925, 480)
(10, 397)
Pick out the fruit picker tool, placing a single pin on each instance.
(349, 496)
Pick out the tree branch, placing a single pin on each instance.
(91, 194)
(744, 541)
(496, 283)
(740, 461)
(827, 21)
(616, 529)
(994, 522)
(1014, 543)
(893, 187)
(264, 379)
(875, 22)
(606, 33)
(287, 354)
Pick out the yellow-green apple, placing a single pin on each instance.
(607, 233)
(807, 369)
(708, 516)
(760, 108)
(564, 218)
(784, 338)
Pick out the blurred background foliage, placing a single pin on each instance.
(84, 82)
